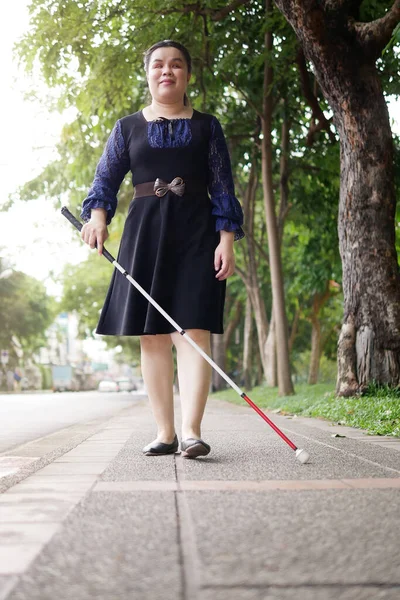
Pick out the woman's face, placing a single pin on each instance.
(167, 75)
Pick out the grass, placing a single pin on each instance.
(377, 410)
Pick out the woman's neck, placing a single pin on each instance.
(169, 111)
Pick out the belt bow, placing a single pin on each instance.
(177, 186)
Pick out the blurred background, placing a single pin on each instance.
(67, 75)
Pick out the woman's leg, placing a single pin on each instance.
(158, 374)
(194, 374)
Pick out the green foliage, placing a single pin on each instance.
(84, 289)
(377, 411)
(90, 53)
(85, 286)
(25, 311)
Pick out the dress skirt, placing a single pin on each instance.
(168, 247)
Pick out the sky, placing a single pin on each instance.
(34, 236)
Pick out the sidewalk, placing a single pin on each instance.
(248, 522)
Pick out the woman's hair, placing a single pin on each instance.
(169, 44)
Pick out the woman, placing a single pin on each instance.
(177, 240)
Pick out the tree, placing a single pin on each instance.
(91, 53)
(344, 45)
(26, 311)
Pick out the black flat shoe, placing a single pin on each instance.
(159, 448)
(192, 448)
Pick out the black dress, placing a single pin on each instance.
(168, 242)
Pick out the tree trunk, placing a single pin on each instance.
(284, 171)
(271, 354)
(218, 356)
(318, 302)
(371, 282)
(250, 276)
(315, 350)
(344, 53)
(236, 313)
(278, 297)
(260, 318)
(248, 330)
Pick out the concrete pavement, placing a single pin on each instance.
(98, 520)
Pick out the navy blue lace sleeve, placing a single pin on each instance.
(110, 172)
(226, 206)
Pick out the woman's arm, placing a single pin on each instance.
(99, 207)
(225, 205)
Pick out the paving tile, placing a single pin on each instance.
(301, 592)
(305, 538)
(7, 583)
(134, 486)
(16, 558)
(115, 557)
(16, 461)
(59, 478)
(49, 486)
(83, 459)
(27, 533)
(5, 471)
(260, 486)
(373, 483)
(38, 512)
(85, 468)
(26, 497)
(87, 452)
(100, 444)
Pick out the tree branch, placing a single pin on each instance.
(198, 9)
(341, 5)
(312, 100)
(233, 322)
(262, 252)
(218, 15)
(243, 276)
(374, 36)
(306, 15)
(230, 81)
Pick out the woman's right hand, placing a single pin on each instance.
(95, 232)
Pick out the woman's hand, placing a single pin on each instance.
(224, 258)
(95, 232)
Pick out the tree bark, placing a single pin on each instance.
(218, 356)
(233, 322)
(315, 350)
(284, 172)
(271, 354)
(250, 276)
(248, 330)
(344, 54)
(285, 385)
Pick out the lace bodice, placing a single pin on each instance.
(114, 164)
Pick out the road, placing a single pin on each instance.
(26, 417)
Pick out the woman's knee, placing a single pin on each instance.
(200, 336)
(155, 343)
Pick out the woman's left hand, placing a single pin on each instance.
(224, 258)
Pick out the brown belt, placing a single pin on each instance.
(160, 188)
